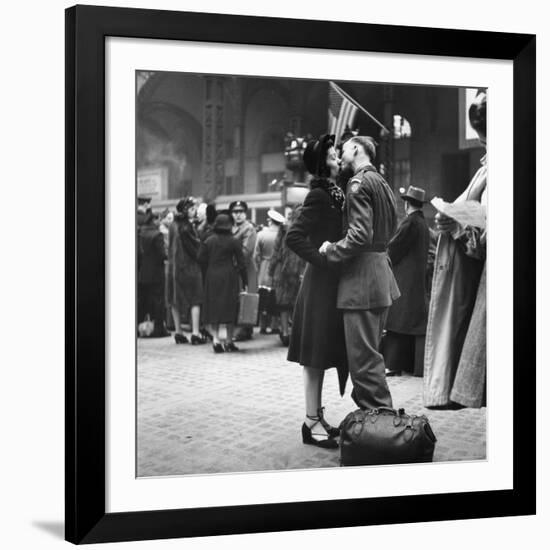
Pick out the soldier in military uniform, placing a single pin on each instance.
(367, 286)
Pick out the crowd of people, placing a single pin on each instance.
(193, 265)
(342, 283)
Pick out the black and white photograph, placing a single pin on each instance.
(311, 283)
(248, 296)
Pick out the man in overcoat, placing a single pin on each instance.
(245, 232)
(151, 274)
(403, 344)
(367, 285)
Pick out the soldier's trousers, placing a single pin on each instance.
(363, 329)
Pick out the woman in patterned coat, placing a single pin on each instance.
(286, 269)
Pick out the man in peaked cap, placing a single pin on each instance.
(367, 285)
(403, 344)
(245, 232)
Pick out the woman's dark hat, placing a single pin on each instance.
(185, 203)
(315, 155)
(223, 223)
(413, 193)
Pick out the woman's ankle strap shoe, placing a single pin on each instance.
(308, 439)
(180, 338)
(331, 430)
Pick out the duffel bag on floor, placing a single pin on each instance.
(385, 436)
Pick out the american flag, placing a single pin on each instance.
(341, 111)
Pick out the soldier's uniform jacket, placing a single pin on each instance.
(370, 220)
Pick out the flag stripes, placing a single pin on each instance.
(341, 111)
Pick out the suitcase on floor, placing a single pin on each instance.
(248, 309)
(385, 436)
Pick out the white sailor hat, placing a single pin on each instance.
(275, 216)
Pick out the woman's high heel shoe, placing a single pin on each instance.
(180, 338)
(331, 430)
(197, 340)
(308, 436)
(218, 348)
(230, 346)
(285, 339)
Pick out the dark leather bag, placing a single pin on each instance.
(385, 436)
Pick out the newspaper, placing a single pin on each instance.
(471, 213)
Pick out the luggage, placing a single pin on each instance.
(248, 309)
(385, 436)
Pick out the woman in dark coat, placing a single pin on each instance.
(317, 338)
(222, 257)
(285, 269)
(185, 290)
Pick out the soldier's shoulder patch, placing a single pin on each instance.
(355, 184)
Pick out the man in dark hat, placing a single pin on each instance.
(151, 276)
(143, 209)
(367, 285)
(245, 232)
(403, 344)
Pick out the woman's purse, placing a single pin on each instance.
(385, 436)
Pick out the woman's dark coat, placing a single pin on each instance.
(317, 337)
(408, 251)
(222, 258)
(184, 283)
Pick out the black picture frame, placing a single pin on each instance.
(86, 30)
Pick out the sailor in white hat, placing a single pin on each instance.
(265, 244)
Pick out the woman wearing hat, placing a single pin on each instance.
(317, 338)
(185, 290)
(219, 255)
